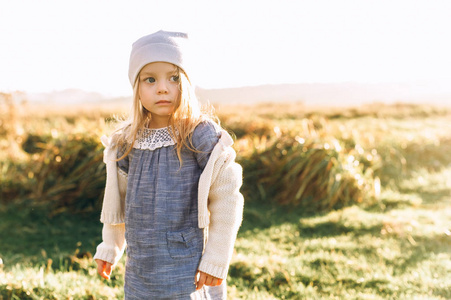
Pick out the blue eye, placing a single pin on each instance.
(175, 78)
(150, 80)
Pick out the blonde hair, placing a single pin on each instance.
(183, 120)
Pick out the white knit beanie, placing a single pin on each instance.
(161, 46)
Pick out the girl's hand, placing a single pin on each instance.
(103, 268)
(202, 279)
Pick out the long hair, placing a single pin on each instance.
(183, 120)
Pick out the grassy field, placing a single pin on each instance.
(387, 235)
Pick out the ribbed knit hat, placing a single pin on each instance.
(161, 46)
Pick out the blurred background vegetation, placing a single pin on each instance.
(340, 202)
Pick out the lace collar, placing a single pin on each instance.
(151, 139)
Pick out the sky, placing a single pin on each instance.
(47, 46)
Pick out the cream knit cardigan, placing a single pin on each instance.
(220, 206)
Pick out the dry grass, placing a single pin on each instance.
(340, 234)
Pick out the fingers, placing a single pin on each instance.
(210, 281)
(201, 280)
(205, 279)
(103, 268)
(100, 266)
(214, 282)
(108, 269)
(219, 282)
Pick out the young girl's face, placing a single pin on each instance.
(159, 91)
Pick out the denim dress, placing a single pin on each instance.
(164, 242)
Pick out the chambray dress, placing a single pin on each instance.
(164, 242)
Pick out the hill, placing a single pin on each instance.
(311, 94)
(340, 94)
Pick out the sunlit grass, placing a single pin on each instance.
(395, 246)
(389, 252)
(44, 283)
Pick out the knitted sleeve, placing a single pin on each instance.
(113, 233)
(113, 245)
(113, 200)
(225, 204)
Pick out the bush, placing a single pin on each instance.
(63, 173)
(309, 168)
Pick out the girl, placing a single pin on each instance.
(172, 191)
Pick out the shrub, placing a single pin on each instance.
(307, 167)
(63, 173)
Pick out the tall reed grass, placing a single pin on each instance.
(306, 165)
(290, 156)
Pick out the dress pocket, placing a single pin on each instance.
(184, 243)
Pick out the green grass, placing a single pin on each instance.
(394, 248)
(49, 257)
(397, 250)
(351, 253)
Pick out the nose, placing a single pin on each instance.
(162, 88)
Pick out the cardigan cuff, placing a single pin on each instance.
(109, 254)
(213, 270)
(112, 218)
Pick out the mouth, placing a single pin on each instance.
(163, 102)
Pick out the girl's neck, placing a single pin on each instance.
(157, 123)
